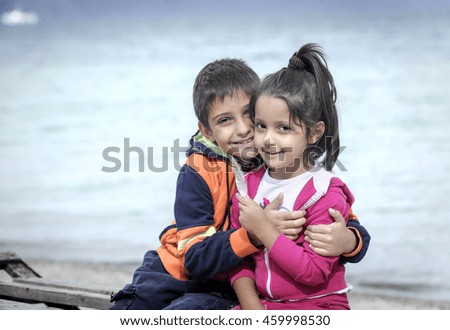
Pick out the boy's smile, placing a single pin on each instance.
(244, 143)
(230, 126)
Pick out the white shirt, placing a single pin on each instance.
(270, 188)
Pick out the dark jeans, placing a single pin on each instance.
(153, 288)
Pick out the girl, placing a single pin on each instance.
(297, 137)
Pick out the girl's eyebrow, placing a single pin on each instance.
(280, 122)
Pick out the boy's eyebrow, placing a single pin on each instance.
(221, 115)
(228, 113)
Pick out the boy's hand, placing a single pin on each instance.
(290, 223)
(333, 239)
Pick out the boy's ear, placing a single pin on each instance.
(316, 132)
(206, 132)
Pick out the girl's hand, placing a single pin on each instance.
(333, 239)
(256, 306)
(253, 218)
(290, 223)
(251, 214)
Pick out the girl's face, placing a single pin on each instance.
(230, 126)
(280, 141)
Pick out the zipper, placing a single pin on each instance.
(269, 273)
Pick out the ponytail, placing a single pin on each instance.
(308, 88)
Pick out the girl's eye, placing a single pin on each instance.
(260, 126)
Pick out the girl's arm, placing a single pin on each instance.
(253, 218)
(246, 292)
(303, 264)
(289, 223)
(242, 277)
(349, 241)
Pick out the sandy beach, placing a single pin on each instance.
(114, 276)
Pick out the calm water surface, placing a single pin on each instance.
(68, 90)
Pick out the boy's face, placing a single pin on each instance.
(230, 126)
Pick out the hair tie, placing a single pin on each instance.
(296, 63)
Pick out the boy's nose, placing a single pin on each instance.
(243, 128)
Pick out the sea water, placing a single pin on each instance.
(70, 90)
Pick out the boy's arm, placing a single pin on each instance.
(204, 251)
(350, 241)
(363, 241)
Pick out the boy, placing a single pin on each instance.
(187, 270)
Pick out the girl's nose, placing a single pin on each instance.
(269, 141)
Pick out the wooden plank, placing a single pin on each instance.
(64, 285)
(17, 305)
(15, 266)
(20, 269)
(7, 258)
(54, 295)
(27, 287)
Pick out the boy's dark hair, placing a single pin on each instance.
(308, 89)
(219, 79)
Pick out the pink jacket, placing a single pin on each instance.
(291, 270)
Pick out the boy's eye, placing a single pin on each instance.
(223, 120)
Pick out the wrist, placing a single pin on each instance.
(254, 240)
(351, 241)
(358, 245)
(267, 234)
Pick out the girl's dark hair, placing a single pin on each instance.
(308, 89)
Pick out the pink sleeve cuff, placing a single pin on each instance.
(242, 271)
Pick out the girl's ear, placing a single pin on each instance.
(316, 132)
(206, 132)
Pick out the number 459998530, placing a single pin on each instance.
(297, 320)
